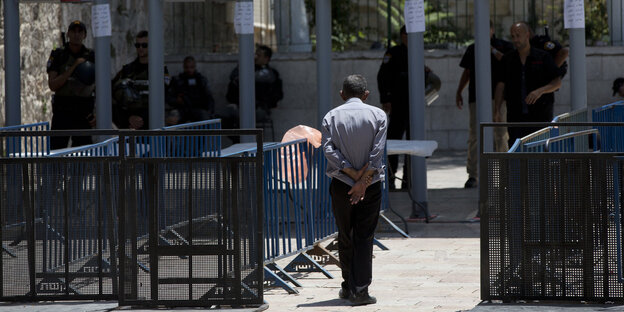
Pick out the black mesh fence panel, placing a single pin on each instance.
(549, 227)
(58, 229)
(191, 232)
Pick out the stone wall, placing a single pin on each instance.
(41, 25)
(444, 122)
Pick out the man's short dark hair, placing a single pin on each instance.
(403, 30)
(354, 86)
(189, 59)
(142, 34)
(266, 51)
(617, 84)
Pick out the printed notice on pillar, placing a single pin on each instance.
(574, 14)
(101, 20)
(414, 16)
(244, 18)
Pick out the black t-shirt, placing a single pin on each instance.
(468, 62)
(552, 47)
(539, 70)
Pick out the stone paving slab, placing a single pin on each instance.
(414, 275)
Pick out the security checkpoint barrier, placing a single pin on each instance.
(549, 222)
(65, 247)
(297, 216)
(70, 230)
(209, 252)
(25, 146)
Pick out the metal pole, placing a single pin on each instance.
(578, 72)
(156, 65)
(484, 74)
(103, 79)
(323, 57)
(416, 61)
(246, 76)
(12, 80)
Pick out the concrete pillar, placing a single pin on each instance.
(292, 26)
(323, 58)
(578, 71)
(247, 86)
(484, 74)
(103, 107)
(416, 61)
(12, 61)
(156, 50)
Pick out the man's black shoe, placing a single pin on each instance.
(344, 293)
(471, 183)
(362, 299)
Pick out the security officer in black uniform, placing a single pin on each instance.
(392, 81)
(268, 86)
(527, 79)
(131, 90)
(71, 76)
(190, 94)
(558, 53)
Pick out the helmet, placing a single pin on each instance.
(85, 73)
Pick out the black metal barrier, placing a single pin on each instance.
(549, 226)
(157, 230)
(204, 242)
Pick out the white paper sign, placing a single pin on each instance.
(414, 16)
(244, 18)
(573, 14)
(100, 20)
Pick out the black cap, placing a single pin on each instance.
(78, 24)
(617, 84)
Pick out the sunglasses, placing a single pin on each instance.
(139, 45)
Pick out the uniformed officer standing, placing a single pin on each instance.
(527, 79)
(392, 81)
(498, 48)
(131, 90)
(73, 100)
(268, 86)
(558, 53)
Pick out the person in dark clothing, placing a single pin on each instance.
(354, 138)
(131, 90)
(618, 87)
(73, 100)
(526, 80)
(498, 48)
(268, 85)
(190, 94)
(392, 81)
(558, 53)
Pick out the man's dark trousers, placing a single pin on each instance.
(356, 228)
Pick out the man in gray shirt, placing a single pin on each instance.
(354, 138)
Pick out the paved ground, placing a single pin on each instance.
(435, 270)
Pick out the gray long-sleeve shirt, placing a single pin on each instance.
(354, 134)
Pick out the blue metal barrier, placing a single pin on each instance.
(297, 206)
(193, 146)
(26, 146)
(613, 137)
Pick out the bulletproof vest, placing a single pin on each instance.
(132, 90)
(73, 87)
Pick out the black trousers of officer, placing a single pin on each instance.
(356, 229)
(399, 124)
(71, 113)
